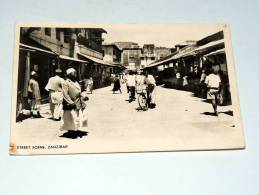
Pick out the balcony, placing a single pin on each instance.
(92, 44)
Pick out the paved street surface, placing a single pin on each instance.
(178, 122)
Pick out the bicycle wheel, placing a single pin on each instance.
(142, 101)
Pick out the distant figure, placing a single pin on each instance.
(54, 87)
(126, 76)
(74, 105)
(203, 76)
(178, 80)
(213, 84)
(203, 87)
(117, 84)
(89, 85)
(185, 82)
(131, 82)
(112, 79)
(151, 84)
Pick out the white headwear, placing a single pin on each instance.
(70, 70)
(33, 73)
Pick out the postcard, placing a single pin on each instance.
(109, 88)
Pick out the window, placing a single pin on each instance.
(58, 33)
(47, 31)
(67, 35)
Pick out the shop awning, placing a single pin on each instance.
(219, 51)
(70, 58)
(96, 60)
(37, 49)
(158, 63)
(210, 44)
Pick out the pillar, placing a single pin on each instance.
(27, 75)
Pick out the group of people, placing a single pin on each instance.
(136, 83)
(210, 86)
(65, 94)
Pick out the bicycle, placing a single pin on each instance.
(142, 99)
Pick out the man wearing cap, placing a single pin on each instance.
(34, 96)
(54, 87)
(73, 103)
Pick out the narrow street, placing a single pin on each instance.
(117, 125)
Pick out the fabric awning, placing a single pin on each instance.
(219, 51)
(37, 49)
(97, 60)
(70, 58)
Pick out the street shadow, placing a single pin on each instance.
(22, 117)
(209, 113)
(71, 134)
(206, 101)
(130, 100)
(229, 112)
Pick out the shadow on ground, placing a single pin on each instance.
(209, 113)
(229, 112)
(71, 134)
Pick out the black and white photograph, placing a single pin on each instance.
(108, 88)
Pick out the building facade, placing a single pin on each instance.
(131, 55)
(45, 49)
(150, 54)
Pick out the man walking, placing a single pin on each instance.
(213, 84)
(54, 87)
(151, 84)
(131, 82)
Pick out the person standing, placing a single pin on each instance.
(185, 83)
(151, 84)
(89, 84)
(178, 80)
(131, 82)
(213, 82)
(202, 84)
(126, 81)
(112, 79)
(34, 96)
(74, 116)
(117, 84)
(54, 87)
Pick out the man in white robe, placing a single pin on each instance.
(54, 87)
(74, 105)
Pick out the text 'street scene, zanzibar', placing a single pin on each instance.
(124, 88)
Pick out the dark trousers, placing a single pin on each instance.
(132, 91)
(150, 89)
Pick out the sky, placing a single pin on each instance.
(166, 35)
